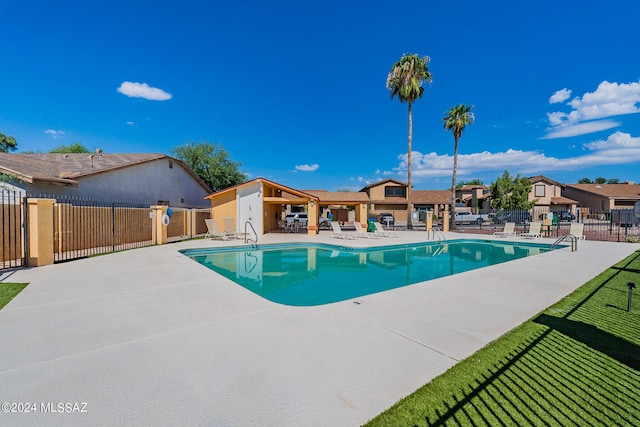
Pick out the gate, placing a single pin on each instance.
(84, 227)
(12, 219)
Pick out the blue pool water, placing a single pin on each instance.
(314, 274)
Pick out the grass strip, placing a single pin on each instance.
(576, 362)
(8, 291)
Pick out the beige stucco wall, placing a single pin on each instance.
(224, 206)
(147, 183)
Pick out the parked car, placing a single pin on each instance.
(300, 217)
(466, 216)
(562, 215)
(386, 219)
(517, 216)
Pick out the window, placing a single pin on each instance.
(170, 164)
(394, 191)
(539, 191)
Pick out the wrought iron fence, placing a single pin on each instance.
(85, 227)
(12, 219)
(617, 225)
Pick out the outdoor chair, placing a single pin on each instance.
(577, 230)
(534, 231)
(230, 228)
(213, 230)
(337, 232)
(508, 231)
(384, 233)
(363, 233)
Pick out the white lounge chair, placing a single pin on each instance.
(361, 232)
(508, 231)
(337, 232)
(577, 230)
(230, 228)
(213, 230)
(384, 233)
(534, 231)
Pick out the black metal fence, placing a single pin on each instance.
(85, 227)
(618, 225)
(12, 219)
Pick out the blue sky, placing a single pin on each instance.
(295, 90)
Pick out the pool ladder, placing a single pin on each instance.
(436, 233)
(247, 238)
(574, 241)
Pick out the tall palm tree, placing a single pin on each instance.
(456, 119)
(405, 81)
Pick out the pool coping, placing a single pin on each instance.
(149, 337)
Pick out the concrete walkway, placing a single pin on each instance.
(150, 337)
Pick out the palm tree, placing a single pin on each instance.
(455, 120)
(405, 81)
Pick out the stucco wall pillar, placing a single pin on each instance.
(428, 219)
(159, 231)
(445, 218)
(40, 231)
(312, 221)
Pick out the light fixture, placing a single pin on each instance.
(312, 203)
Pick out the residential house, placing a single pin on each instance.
(597, 198)
(475, 197)
(388, 196)
(549, 197)
(153, 179)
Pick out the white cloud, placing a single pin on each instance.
(618, 148)
(143, 90)
(579, 129)
(307, 168)
(560, 96)
(55, 134)
(587, 112)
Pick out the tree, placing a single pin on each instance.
(76, 147)
(211, 163)
(7, 143)
(405, 81)
(584, 181)
(508, 192)
(600, 180)
(474, 181)
(613, 181)
(456, 119)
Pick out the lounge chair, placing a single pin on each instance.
(361, 232)
(534, 231)
(213, 230)
(337, 232)
(384, 233)
(577, 230)
(230, 228)
(508, 231)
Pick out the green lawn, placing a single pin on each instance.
(8, 291)
(576, 363)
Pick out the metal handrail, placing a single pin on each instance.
(436, 233)
(574, 241)
(247, 239)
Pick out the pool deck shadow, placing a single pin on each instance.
(151, 337)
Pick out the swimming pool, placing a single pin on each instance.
(315, 274)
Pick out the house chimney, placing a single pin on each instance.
(99, 151)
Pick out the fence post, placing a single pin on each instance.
(159, 230)
(40, 231)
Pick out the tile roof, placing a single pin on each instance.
(431, 196)
(617, 191)
(339, 196)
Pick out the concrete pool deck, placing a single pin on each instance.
(150, 337)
